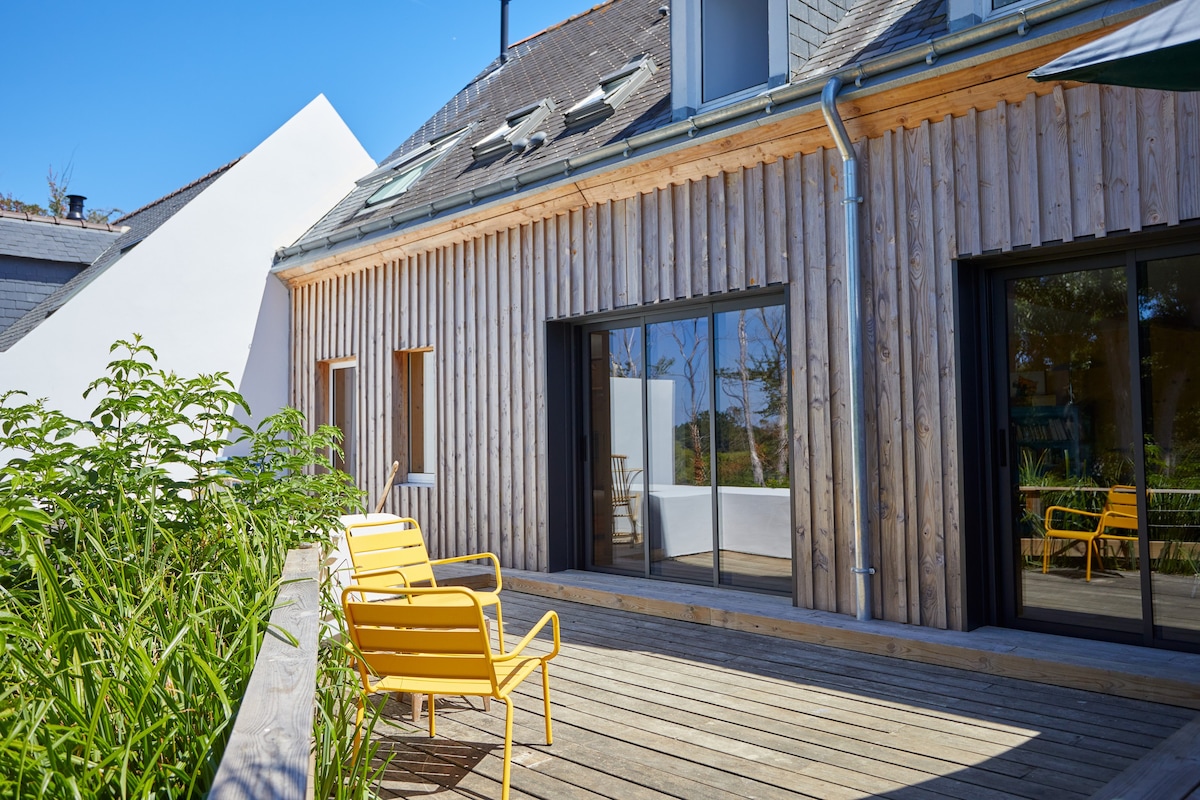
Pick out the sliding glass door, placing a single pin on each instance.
(1098, 399)
(669, 397)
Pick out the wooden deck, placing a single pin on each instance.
(651, 707)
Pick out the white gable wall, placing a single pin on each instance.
(199, 289)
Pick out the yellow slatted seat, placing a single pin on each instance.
(434, 640)
(392, 553)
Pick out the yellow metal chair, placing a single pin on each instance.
(392, 553)
(434, 640)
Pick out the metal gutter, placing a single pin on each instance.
(857, 406)
(928, 52)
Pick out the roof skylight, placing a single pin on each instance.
(614, 89)
(411, 167)
(517, 125)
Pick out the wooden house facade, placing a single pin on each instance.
(970, 175)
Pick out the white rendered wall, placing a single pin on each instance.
(199, 289)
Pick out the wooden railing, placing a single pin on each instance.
(269, 755)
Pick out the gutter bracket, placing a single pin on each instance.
(1023, 28)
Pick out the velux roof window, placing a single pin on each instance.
(410, 167)
(517, 125)
(614, 89)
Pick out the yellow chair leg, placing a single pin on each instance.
(358, 721)
(1045, 554)
(546, 701)
(508, 725)
(499, 628)
(432, 728)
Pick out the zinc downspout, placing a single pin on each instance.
(858, 434)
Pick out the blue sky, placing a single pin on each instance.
(140, 98)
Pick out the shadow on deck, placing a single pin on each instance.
(659, 707)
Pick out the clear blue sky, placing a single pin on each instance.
(142, 97)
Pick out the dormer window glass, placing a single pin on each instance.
(723, 51)
(411, 167)
(614, 89)
(520, 124)
(733, 46)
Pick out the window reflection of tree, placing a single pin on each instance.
(691, 338)
(755, 385)
(625, 353)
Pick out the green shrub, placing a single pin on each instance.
(138, 569)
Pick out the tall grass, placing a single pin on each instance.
(137, 574)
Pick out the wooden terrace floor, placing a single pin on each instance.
(648, 707)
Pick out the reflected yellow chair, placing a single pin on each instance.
(434, 640)
(1119, 512)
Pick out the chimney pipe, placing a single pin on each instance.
(76, 206)
(503, 31)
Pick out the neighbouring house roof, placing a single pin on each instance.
(54, 238)
(565, 64)
(124, 234)
(39, 254)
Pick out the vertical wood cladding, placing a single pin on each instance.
(1081, 162)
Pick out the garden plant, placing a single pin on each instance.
(138, 568)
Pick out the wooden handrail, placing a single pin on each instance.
(269, 755)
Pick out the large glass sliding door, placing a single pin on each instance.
(670, 396)
(1169, 322)
(1098, 395)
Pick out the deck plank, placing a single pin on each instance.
(649, 708)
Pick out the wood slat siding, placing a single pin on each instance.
(1025, 172)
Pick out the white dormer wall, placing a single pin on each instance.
(794, 30)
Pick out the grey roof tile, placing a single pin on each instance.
(565, 62)
(53, 240)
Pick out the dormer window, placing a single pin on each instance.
(614, 89)
(410, 167)
(733, 47)
(517, 125)
(725, 50)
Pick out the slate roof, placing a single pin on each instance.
(565, 63)
(137, 225)
(54, 239)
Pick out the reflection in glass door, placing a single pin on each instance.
(1169, 317)
(681, 497)
(753, 475)
(617, 468)
(1098, 386)
(1071, 418)
(711, 388)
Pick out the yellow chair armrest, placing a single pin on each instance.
(375, 573)
(549, 616)
(1090, 514)
(473, 557)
